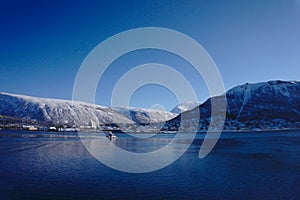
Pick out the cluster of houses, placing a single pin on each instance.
(50, 128)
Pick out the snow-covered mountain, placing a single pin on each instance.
(66, 112)
(182, 107)
(143, 115)
(58, 111)
(266, 105)
(263, 101)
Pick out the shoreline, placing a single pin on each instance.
(12, 131)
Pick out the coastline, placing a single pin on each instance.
(42, 134)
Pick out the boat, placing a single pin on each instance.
(111, 135)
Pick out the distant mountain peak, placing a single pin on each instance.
(182, 107)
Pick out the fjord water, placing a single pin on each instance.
(262, 165)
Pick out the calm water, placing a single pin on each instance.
(241, 166)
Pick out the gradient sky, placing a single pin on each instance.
(43, 43)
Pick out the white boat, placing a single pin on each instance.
(111, 135)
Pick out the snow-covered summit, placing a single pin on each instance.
(257, 106)
(273, 98)
(59, 111)
(277, 86)
(144, 115)
(182, 107)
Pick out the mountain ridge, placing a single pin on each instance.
(67, 112)
(255, 106)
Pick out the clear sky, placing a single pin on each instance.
(43, 43)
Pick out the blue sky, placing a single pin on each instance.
(43, 43)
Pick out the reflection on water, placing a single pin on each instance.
(241, 166)
(137, 155)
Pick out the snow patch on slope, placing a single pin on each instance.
(296, 111)
(246, 97)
